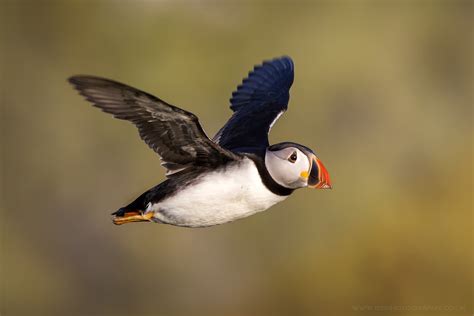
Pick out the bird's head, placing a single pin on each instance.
(296, 166)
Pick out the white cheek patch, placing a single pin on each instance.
(284, 172)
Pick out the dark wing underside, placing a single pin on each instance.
(257, 103)
(171, 132)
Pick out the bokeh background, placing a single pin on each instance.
(382, 92)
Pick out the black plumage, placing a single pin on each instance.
(171, 132)
(257, 103)
(178, 138)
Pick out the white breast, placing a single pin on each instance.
(219, 197)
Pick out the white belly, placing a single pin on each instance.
(219, 197)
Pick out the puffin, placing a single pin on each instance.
(208, 182)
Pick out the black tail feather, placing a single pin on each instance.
(122, 211)
(137, 206)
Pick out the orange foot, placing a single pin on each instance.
(131, 217)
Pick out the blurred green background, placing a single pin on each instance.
(382, 92)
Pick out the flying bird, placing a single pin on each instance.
(213, 181)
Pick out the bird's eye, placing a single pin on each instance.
(293, 157)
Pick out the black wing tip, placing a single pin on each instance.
(81, 79)
(84, 81)
(268, 80)
(75, 80)
(277, 67)
(285, 60)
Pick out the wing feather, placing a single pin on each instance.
(173, 133)
(257, 103)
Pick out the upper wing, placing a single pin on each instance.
(173, 133)
(257, 103)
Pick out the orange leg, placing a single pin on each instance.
(131, 217)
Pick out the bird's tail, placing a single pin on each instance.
(134, 212)
(123, 211)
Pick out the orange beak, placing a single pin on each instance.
(318, 175)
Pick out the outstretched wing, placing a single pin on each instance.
(171, 132)
(257, 103)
